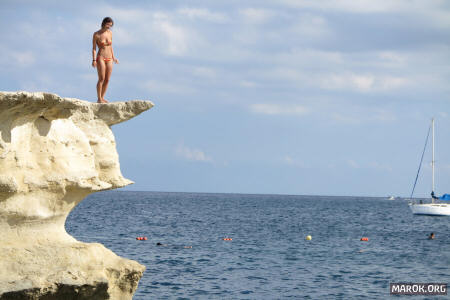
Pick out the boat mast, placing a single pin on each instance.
(432, 160)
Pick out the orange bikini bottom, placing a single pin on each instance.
(104, 59)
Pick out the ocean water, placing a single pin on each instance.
(268, 257)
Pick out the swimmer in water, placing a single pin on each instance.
(165, 245)
(431, 236)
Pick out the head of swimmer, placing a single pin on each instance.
(107, 23)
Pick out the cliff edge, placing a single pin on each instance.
(53, 153)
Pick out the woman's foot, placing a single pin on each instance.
(102, 101)
(105, 101)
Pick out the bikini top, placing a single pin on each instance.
(105, 44)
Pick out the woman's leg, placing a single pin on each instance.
(108, 71)
(101, 79)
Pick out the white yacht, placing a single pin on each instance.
(436, 207)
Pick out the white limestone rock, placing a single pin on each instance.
(53, 153)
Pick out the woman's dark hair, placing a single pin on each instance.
(107, 20)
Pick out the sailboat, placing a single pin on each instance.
(436, 207)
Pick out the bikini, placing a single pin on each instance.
(103, 45)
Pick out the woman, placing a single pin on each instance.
(103, 61)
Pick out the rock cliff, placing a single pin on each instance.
(53, 153)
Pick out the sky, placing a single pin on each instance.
(277, 97)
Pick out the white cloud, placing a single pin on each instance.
(283, 73)
(125, 36)
(204, 72)
(393, 57)
(298, 77)
(125, 15)
(203, 13)
(173, 38)
(387, 83)
(192, 154)
(362, 82)
(353, 164)
(305, 57)
(360, 6)
(346, 81)
(23, 58)
(157, 28)
(289, 160)
(438, 17)
(311, 27)
(434, 12)
(159, 86)
(278, 109)
(383, 116)
(256, 15)
(362, 115)
(370, 165)
(380, 166)
(176, 37)
(248, 84)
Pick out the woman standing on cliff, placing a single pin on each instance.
(103, 61)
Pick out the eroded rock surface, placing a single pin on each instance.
(53, 153)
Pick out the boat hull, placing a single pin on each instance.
(430, 209)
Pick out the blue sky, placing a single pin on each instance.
(286, 97)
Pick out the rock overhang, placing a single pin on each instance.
(54, 152)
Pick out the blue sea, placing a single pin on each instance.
(268, 256)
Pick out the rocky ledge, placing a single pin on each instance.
(53, 153)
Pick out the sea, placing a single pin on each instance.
(251, 246)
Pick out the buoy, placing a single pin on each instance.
(227, 239)
(308, 237)
(364, 239)
(141, 238)
(145, 238)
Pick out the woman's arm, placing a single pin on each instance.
(114, 59)
(112, 52)
(94, 50)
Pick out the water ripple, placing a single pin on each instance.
(268, 256)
